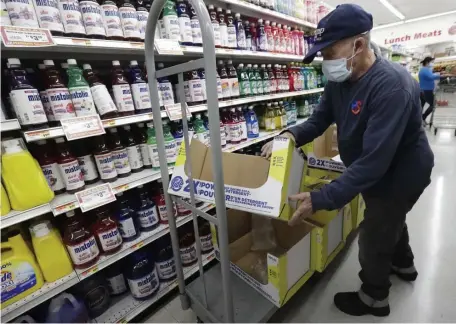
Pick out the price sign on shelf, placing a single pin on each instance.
(81, 127)
(168, 46)
(14, 36)
(95, 197)
(174, 111)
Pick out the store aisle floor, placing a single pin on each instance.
(433, 239)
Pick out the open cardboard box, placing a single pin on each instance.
(286, 268)
(252, 183)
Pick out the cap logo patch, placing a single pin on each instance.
(356, 107)
(319, 32)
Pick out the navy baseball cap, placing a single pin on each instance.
(345, 21)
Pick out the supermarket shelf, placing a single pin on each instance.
(9, 125)
(129, 247)
(48, 133)
(15, 217)
(46, 292)
(252, 10)
(437, 60)
(401, 54)
(125, 308)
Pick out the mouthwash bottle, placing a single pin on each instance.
(165, 88)
(196, 29)
(259, 80)
(240, 32)
(244, 82)
(252, 79)
(129, 20)
(265, 79)
(251, 120)
(111, 18)
(215, 26)
(200, 131)
(142, 9)
(139, 89)
(79, 90)
(171, 21)
(93, 19)
(223, 28)
(72, 18)
(184, 23)
(121, 90)
(152, 146)
(230, 30)
(49, 16)
(170, 144)
(233, 80)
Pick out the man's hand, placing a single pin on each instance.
(304, 209)
(266, 150)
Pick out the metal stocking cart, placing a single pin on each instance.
(444, 114)
(216, 295)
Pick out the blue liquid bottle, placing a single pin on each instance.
(142, 275)
(253, 129)
(128, 225)
(139, 89)
(146, 213)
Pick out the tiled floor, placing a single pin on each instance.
(432, 298)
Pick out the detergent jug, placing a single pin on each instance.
(5, 204)
(66, 309)
(50, 251)
(21, 275)
(24, 181)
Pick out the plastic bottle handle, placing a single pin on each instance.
(71, 299)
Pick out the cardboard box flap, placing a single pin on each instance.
(326, 145)
(238, 176)
(287, 236)
(198, 152)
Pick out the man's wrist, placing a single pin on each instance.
(288, 134)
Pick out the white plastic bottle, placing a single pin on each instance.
(4, 18)
(111, 19)
(93, 18)
(48, 15)
(129, 20)
(22, 13)
(72, 18)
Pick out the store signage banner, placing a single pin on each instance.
(418, 33)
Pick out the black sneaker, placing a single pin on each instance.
(406, 274)
(350, 303)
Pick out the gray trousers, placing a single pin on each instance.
(384, 241)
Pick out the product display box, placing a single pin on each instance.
(279, 274)
(252, 183)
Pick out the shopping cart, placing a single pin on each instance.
(444, 114)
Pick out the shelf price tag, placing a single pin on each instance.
(95, 197)
(14, 36)
(81, 127)
(174, 111)
(168, 46)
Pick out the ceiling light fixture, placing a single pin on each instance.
(391, 8)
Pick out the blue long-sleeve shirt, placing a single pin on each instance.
(427, 78)
(380, 136)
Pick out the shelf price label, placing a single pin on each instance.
(168, 46)
(14, 36)
(95, 197)
(81, 127)
(174, 111)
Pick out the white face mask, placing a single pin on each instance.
(336, 70)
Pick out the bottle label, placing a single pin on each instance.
(241, 42)
(153, 153)
(129, 19)
(222, 135)
(227, 133)
(231, 36)
(196, 31)
(116, 284)
(53, 177)
(102, 99)
(262, 42)
(162, 211)
(22, 13)
(196, 90)
(105, 165)
(47, 105)
(171, 151)
(142, 22)
(123, 97)
(61, 103)
(203, 88)
(172, 27)
(224, 35)
(82, 101)
(148, 217)
(188, 95)
(185, 30)
(245, 87)
(28, 106)
(206, 242)
(234, 87)
(144, 286)
(166, 269)
(88, 167)
(219, 88)
(270, 124)
(188, 254)
(71, 17)
(110, 239)
(48, 14)
(235, 132)
(284, 120)
(127, 227)
(203, 137)
(248, 44)
(121, 161)
(243, 130)
(92, 17)
(216, 29)
(253, 86)
(162, 29)
(141, 96)
(253, 129)
(226, 90)
(111, 19)
(266, 85)
(72, 175)
(144, 148)
(166, 92)
(134, 157)
(83, 252)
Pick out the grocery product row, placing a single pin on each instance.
(126, 20)
(50, 257)
(44, 99)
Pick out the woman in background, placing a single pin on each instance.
(427, 85)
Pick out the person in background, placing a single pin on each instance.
(427, 85)
(376, 107)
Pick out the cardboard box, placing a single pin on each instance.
(331, 228)
(252, 183)
(286, 269)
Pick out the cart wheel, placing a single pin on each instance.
(455, 132)
(435, 131)
(198, 320)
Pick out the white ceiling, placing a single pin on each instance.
(409, 8)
